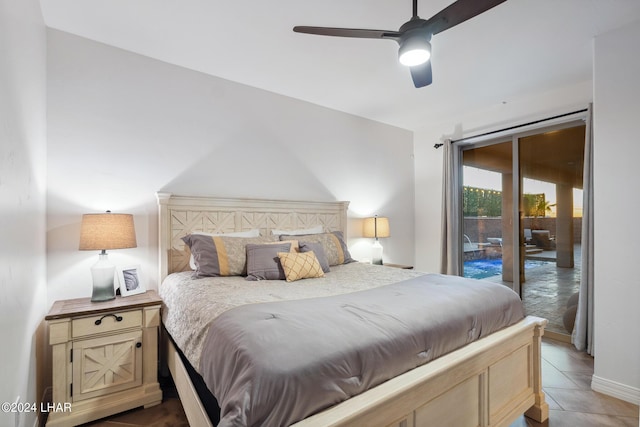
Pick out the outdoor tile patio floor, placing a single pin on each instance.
(547, 289)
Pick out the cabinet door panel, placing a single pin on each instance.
(106, 365)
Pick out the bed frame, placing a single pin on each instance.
(490, 382)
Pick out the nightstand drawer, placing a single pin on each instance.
(110, 322)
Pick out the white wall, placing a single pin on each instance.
(22, 199)
(122, 126)
(616, 174)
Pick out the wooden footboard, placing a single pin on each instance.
(490, 382)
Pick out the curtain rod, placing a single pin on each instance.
(515, 127)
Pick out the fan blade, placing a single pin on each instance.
(421, 74)
(348, 32)
(457, 13)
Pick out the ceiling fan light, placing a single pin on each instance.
(414, 51)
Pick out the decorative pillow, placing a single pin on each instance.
(220, 255)
(263, 262)
(300, 266)
(332, 243)
(295, 246)
(313, 230)
(317, 249)
(255, 232)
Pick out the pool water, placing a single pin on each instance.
(482, 268)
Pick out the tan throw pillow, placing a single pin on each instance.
(298, 266)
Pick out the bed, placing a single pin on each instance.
(488, 382)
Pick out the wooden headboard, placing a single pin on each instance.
(181, 215)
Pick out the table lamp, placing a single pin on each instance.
(376, 227)
(101, 232)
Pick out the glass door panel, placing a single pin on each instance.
(551, 170)
(487, 203)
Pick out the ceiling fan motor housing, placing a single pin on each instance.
(415, 48)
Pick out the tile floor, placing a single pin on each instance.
(566, 380)
(566, 377)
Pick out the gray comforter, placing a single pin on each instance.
(276, 363)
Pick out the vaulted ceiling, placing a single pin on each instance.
(516, 50)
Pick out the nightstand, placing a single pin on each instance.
(104, 357)
(404, 267)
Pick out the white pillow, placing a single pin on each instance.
(249, 233)
(313, 230)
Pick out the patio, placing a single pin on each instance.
(547, 288)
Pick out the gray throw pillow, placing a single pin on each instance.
(317, 249)
(263, 262)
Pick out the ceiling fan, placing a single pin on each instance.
(414, 35)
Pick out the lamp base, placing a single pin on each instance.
(103, 273)
(376, 253)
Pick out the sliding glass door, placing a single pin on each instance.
(521, 217)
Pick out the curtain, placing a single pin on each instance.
(582, 335)
(451, 232)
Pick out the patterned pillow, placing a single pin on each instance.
(332, 243)
(220, 255)
(298, 266)
(263, 262)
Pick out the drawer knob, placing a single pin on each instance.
(138, 344)
(118, 318)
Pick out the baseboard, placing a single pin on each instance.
(615, 389)
(557, 336)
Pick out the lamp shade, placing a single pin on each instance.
(107, 231)
(376, 227)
